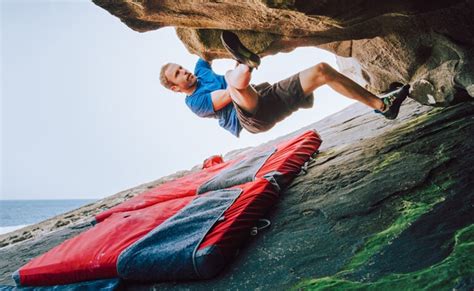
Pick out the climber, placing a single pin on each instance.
(257, 108)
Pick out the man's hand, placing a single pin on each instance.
(220, 99)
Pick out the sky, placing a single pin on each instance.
(83, 115)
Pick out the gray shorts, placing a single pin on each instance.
(276, 102)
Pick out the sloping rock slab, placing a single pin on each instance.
(387, 204)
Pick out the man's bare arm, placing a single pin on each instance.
(220, 99)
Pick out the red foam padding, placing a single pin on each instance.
(258, 196)
(291, 155)
(212, 161)
(93, 254)
(255, 200)
(181, 187)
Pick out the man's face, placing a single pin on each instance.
(180, 77)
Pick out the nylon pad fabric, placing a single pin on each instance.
(239, 173)
(171, 232)
(167, 252)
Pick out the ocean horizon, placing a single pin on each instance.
(15, 214)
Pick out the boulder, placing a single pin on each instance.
(427, 44)
(385, 205)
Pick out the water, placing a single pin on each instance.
(15, 214)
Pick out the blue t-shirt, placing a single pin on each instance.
(200, 101)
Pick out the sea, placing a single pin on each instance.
(15, 214)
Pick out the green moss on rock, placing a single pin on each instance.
(410, 208)
(442, 276)
(387, 160)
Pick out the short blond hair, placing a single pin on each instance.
(163, 80)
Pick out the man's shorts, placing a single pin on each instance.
(276, 102)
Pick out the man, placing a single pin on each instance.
(237, 104)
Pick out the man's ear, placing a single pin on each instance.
(175, 88)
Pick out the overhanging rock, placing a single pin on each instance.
(426, 44)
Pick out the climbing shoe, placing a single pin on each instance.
(393, 101)
(240, 53)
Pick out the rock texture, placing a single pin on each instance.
(387, 205)
(428, 44)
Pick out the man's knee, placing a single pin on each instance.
(323, 72)
(247, 98)
(239, 77)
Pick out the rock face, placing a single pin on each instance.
(386, 204)
(428, 44)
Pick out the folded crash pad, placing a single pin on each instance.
(188, 228)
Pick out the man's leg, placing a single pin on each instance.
(238, 84)
(324, 74)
